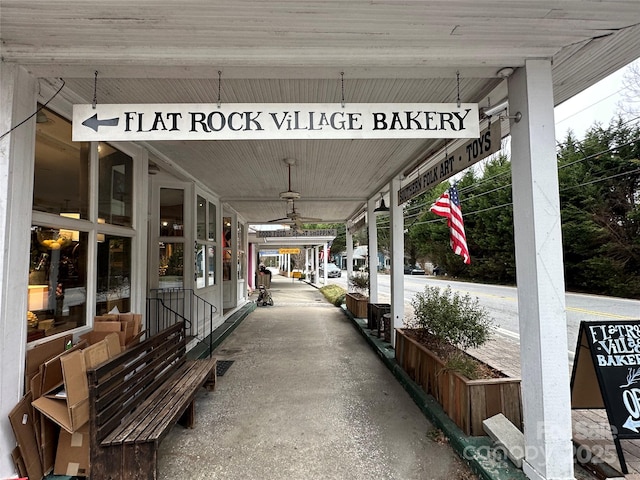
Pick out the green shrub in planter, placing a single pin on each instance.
(360, 282)
(452, 318)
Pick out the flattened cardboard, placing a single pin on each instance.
(21, 419)
(113, 345)
(47, 440)
(107, 326)
(137, 321)
(18, 461)
(51, 370)
(72, 457)
(39, 354)
(73, 411)
(94, 337)
(96, 354)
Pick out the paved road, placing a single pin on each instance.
(502, 303)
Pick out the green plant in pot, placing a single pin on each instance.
(449, 323)
(357, 301)
(431, 352)
(359, 282)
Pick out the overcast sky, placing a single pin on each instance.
(597, 103)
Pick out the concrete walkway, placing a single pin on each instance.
(306, 398)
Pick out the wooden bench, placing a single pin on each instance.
(134, 400)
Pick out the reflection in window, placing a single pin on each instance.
(212, 266)
(226, 249)
(113, 274)
(115, 190)
(201, 265)
(171, 265)
(212, 222)
(240, 251)
(171, 212)
(201, 218)
(57, 298)
(61, 172)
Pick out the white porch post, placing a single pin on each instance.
(372, 226)
(540, 277)
(397, 259)
(325, 260)
(349, 245)
(17, 102)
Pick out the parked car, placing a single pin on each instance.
(333, 271)
(413, 270)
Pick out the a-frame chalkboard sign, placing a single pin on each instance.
(609, 353)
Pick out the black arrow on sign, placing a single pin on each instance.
(94, 123)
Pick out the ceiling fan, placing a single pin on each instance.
(293, 216)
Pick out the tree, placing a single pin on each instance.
(630, 105)
(600, 195)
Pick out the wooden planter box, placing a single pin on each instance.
(374, 314)
(467, 402)
(357, 304)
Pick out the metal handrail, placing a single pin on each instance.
(181, 304)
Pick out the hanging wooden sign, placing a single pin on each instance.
(608, 354)
(267, 121)
(462, 157)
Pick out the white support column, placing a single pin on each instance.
(372, 226)
(17, 102)
(325, 261)
(540, 277)
(397, 259)
(349, 245)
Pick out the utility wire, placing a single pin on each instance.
(34, 113)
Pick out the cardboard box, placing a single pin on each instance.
(128, 326)
(22, 423)
(72, 457)
(94, 337)
(107, 327)
(68, 407)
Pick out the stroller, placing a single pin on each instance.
(264, 297)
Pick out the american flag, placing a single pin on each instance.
(448, 206)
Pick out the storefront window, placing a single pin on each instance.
(61, 174)
(201, 266)
(212, 222)
(201, 220)
(113, 274)
(212, 265)
(171, 265)
(226, 249)
(171, 212)
(115, 191)
(240, 251)
(57, 297)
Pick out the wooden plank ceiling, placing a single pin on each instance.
(161, 51)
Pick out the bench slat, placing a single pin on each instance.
(136, 397)
(146, 423)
